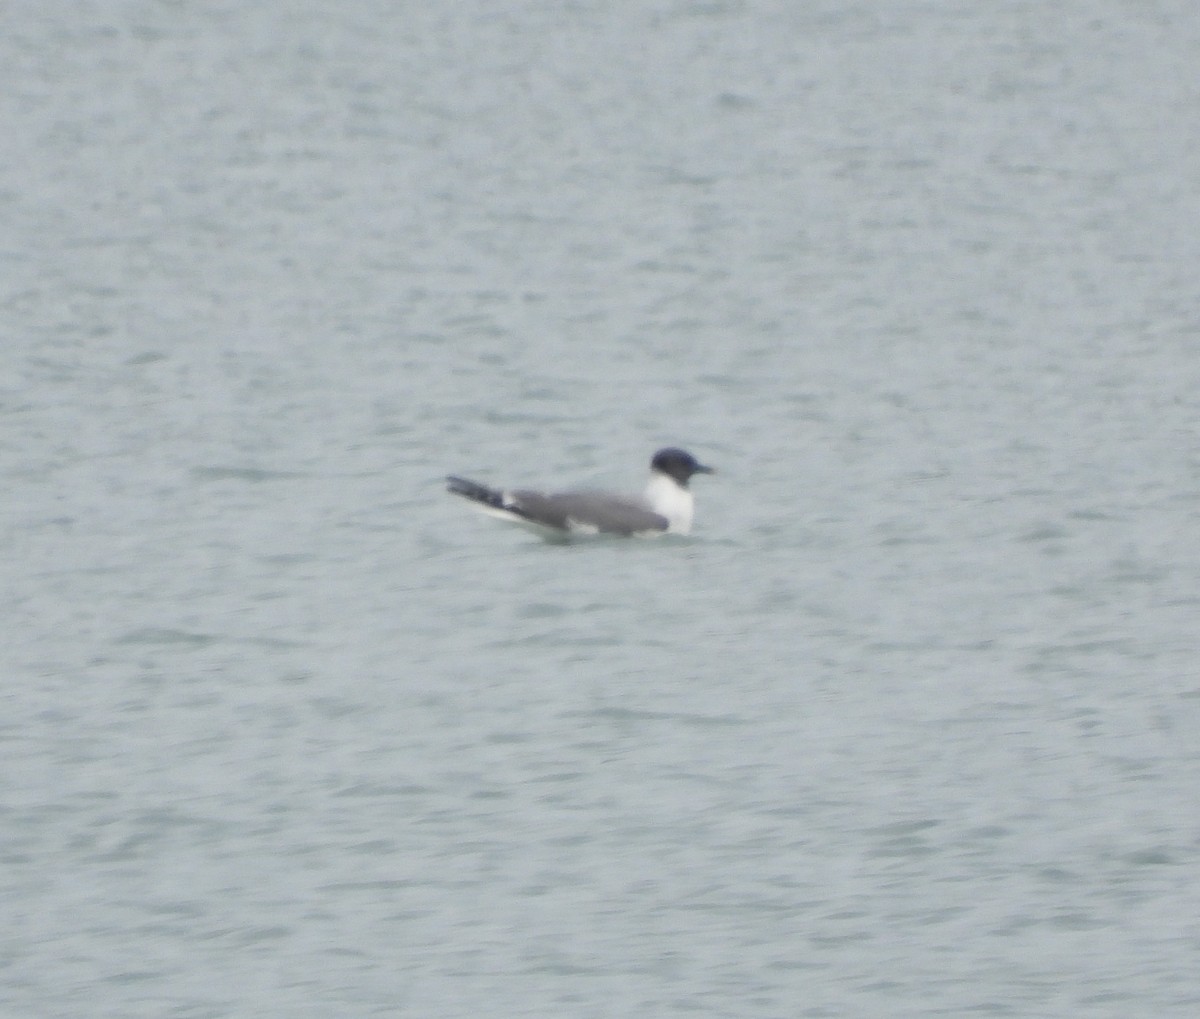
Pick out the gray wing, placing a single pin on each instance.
(604, 511)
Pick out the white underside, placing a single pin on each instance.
(667, 499)
(516, 518)
(575, 528)
(662, 495)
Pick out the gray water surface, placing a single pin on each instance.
(908, 726)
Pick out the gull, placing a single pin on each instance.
(666, 505)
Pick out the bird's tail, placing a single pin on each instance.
(474, 491)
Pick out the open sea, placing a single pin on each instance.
(908, 726)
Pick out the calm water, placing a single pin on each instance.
(909, 726)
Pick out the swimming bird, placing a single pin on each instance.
(666, 505)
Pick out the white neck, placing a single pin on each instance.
(669, 500)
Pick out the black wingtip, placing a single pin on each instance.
(472, 490)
